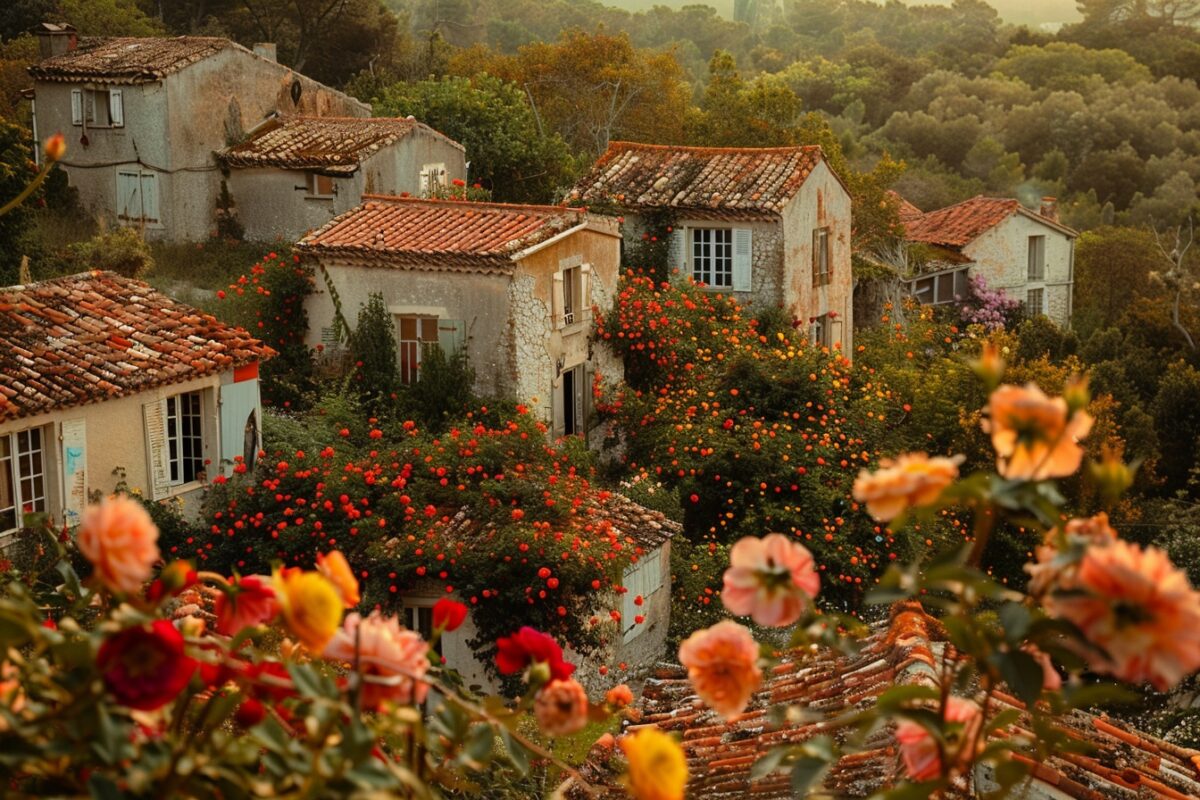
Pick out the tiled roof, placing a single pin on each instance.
(1124, 765)
(439, 234)
(331, 144)
(960, 224)
(731, 182)
(907, 211)
(128, 59)
(96, 336)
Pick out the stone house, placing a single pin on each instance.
(637, 645)
(145, 117)
(293, 174)
(516, 285)
(770, 226)
(1028, 254)
(103, 380)
(907, 650)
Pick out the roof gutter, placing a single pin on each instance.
(558, 237)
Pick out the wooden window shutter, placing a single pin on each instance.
(676, 257)
(584, 312)
(557, 413)
(158, 473)
(76, 106)
(580, 394)
(149, 196)
(451, 335)
(556, 302)
(116, 108)
(742, 259)
(74, 470)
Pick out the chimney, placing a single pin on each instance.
(56, 38)
(266, 50)
(1049, 208)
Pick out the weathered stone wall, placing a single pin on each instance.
(1001, 257)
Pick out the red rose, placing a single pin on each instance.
(145, 667)
(448, 615)
(528, 646)
(249, 601)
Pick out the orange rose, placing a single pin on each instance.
(333, 565)
(913, 479)
(561, 707)
(619, 696)
(722, 664)
(1035, 436)
(121, 542)
(1077, 536)
(1138, 607)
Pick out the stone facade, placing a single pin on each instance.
(1001, 257)
(171, 130)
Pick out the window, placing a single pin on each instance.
(98, 108)
(137, 196)
(419, 619)
(415, 333)
(433, 178)
(185, 438)
(821, 332)
(572, 402)
(1037, 258)
(321, 185)
(822, 257)
(572, 290)
(712, 256)
(1035, 302)
(940, 289)
(22, 477)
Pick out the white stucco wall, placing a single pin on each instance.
(1001, 257)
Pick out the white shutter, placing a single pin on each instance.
(556, 302)
(742, 259)
(676, 257)
(129, 195)
(557, 413)
(584, 312)
(74, 470)
(116, 108)
(149, 190)
(158, 473)
(76, 106)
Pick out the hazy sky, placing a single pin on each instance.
(1033, 12)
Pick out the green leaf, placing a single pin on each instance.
(1099, 694)
(1022, 673)
(1015, 620)
(806, 771)
(899, 696)
(479, 744)
(101, 788)
(517, 753)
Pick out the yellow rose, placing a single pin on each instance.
(311, 606)
(657, 767)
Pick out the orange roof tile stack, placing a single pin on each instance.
(960, 224)
(439, 234)
(96, 336)
(128, 60)
(706, 182)
(329, 144)
(1125, 765)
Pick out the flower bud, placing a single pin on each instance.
(1112, 475)
(1076, 393)
(989, 366)
(539, 673)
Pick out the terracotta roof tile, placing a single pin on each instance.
(703, 181)
(331, 144)
(129, 59)
(960, 224)
(439, 234)
(93, 336)
(906, 210)
(1123, 766)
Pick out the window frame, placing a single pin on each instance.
(17, 478)
(433, 178)
(314, 182)
(1041, 302)
(86, 100)
(934, 292)
(409, 351)
(822, 256)
(150, 220)
(1036, 255)
(177, 473)
(722, 261)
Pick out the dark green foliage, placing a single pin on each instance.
(17, 170)
(650, 253)
(1040, 337)
(1176, 412)
(373, 351)
(444, 389)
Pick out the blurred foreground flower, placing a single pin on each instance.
(333, 565)
(657, 767)
(722, 665)
(448, 615)
(246, 602)
(771, 580)
(121, 541)
(145, 667)
(381, 648)
(311, 606)
(919, 749)
(561, 707)
(1036, 437)
(528, 647)
(911, 480)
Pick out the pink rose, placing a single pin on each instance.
(771, 580)
(120, 540)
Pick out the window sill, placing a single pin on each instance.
(182, 489)
(325, 197)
